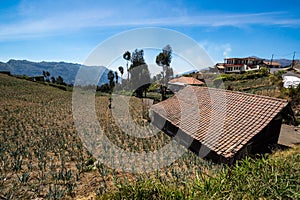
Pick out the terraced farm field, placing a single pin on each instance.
(42, 155)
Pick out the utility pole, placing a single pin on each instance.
(271, 60)
(293, 62)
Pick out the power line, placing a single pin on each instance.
(271, 59)
(284, 55)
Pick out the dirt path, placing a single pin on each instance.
(289, 135)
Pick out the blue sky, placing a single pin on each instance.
(68, 30)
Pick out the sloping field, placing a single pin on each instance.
(42, 156)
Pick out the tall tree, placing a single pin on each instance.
(164, 59)
(121, 70)
(111, 77)
(60, 80)
(53, 79)
(127, 57)
(117, 77)
(46, 75)
(140, 75)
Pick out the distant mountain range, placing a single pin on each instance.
(283, 62)
(66, 70)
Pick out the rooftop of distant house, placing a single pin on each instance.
(186, 80)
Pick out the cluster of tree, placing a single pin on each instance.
(138, 75)
(46, 75)
(58, 80)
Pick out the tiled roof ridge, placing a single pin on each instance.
(242, 93)
(184, 78)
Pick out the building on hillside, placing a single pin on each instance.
(177, 84)
(221, 125)
(241, 65)
(220, 67)
(270, 64)
(290, 79)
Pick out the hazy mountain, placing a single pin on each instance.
(282, 61)
(66, 70)
(4, 67)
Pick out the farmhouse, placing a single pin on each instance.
(241, 65)
(221, 125)
(38, 78)
(177, 84)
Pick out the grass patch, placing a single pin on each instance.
(270, 177)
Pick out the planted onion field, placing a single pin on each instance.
(42, 155)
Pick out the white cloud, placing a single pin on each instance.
(227, 50)
(35, 19)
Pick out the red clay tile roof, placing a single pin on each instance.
(187, 80)
(222, 120)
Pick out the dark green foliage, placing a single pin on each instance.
(117, 77)
(263, 72)
(60, 80)
(140, 75)
(53, 79)
(46, 75)
(137, 58)
(111, 77)
(90, 161)
(121, 70)
(104, 88)
(163, 59)
(127, 57)
(293, 94)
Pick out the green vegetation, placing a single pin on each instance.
(263, 72)
(270, 177)
(163, 59)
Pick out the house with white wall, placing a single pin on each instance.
(241, 65)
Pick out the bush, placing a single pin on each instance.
(153, 87)
(235, 77)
